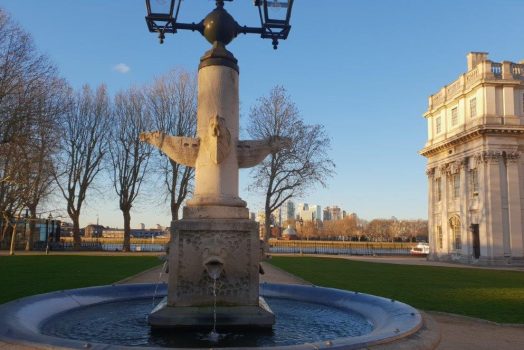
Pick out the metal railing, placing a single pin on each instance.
(107, 244)
(340, 248)
(275, 246)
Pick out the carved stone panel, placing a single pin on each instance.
(234, 243)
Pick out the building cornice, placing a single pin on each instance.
(469, 135)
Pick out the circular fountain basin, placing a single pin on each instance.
(342, 319)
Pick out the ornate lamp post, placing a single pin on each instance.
(215, 244)
(162, 18)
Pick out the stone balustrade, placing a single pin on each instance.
(517, 70)
(486, 70)
(496, 69)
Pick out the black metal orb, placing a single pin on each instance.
(220, 26)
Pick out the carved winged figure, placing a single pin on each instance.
(217, 141)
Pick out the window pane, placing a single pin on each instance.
(473, 107)
(454, 116)
(474, 181)
(456, 186)
(458, 240)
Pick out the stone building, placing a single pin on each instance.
(475, 169)
(93, 231)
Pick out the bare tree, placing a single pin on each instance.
(30, 100)
(50, 107)
(84, 144)
(293, 170)
(129, 156)
(172, 103)
(13, 189)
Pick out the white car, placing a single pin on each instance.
(421, 249)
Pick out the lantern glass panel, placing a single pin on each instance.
(164, 7)
(277, 10)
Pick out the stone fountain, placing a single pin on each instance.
(215, 241)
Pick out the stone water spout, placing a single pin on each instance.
(214, 267)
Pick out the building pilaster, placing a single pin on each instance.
(430, 172)
(515, 213)
(464, 217)
(444, 209)
(493, 201)
(483, 219)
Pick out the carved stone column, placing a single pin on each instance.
(482, 204)
(464, 199)
(515, 210)
(432, 239)
(446, 241)
(493, 203)
(216, 171)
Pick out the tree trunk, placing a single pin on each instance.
(13, 241)
(29, 234)
(126, 247)
(267, 225)
(4, 229)
(76, 232)
(174, 207)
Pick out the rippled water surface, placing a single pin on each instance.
(125, 323)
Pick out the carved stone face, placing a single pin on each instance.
(217, 140)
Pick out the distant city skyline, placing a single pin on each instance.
(365, 72)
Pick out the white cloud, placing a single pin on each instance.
(122, 68)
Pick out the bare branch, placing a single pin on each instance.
(172, 103)
(290, 172)
(85, 128)
(129, 157)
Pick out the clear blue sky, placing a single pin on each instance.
(362, 68)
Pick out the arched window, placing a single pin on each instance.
(454, 223)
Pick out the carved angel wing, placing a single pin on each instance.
(183, 150)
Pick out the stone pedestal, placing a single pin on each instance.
(232, 246)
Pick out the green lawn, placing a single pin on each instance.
(34, 274)
(488, 294)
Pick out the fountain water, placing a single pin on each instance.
(162, 270)
(214, 269)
